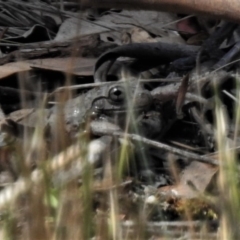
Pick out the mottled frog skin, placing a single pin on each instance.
(107, 100)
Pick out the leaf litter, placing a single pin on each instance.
(128, 100)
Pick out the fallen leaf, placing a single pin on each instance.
(14, 67)
(37, 33)
(74, 65)
(194, 181)
(150, 21)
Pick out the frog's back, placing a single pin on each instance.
(74, 111)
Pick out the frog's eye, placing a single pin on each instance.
(116, 94)
(93, 115)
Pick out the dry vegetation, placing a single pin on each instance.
(116, 176)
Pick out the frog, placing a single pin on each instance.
(109, 102)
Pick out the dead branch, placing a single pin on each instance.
(225, 9)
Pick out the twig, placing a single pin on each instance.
(88, 85)
(163, 224)
(230, 96)
(200, 158)
(176, 229)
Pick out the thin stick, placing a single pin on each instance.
(200, 158)
(88, 85)
(230, 96)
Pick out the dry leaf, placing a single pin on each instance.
(194, 181)
(77, 66)
(151, 21)
(14, 67)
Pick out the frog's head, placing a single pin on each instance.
(122, 97)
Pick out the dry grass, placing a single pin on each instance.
(35, 208)
(65, 198)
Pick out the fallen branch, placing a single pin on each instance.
(194, 156)
(111, 129)
(225, 9)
